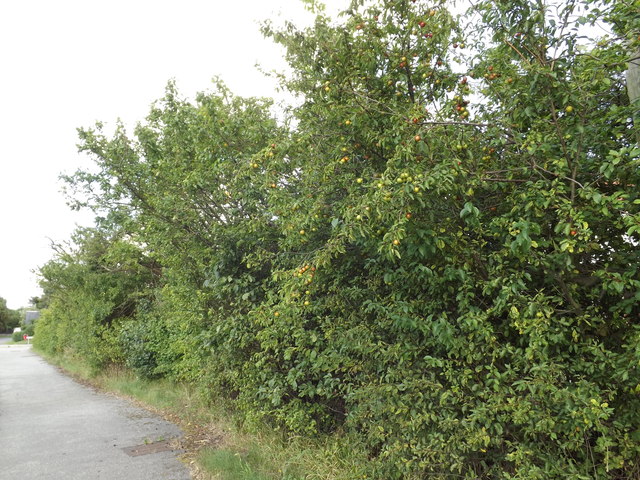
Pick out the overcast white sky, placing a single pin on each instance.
(68, 63)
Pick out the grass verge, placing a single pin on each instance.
(216, 444)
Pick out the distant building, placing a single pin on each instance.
(31, 316)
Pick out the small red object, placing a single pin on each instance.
(24, 337)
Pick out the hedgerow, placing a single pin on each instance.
(436, 256)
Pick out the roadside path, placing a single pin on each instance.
(54, 428)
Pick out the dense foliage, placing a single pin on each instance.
(436, 257)
(9, 319)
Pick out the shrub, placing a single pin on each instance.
(134, 340)
(441, 260)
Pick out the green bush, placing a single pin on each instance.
(92, 291)
(439, 260)
(17, 336)
(138, 354)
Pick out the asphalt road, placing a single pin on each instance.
(54, 428)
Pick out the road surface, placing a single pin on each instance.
(54, 428)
